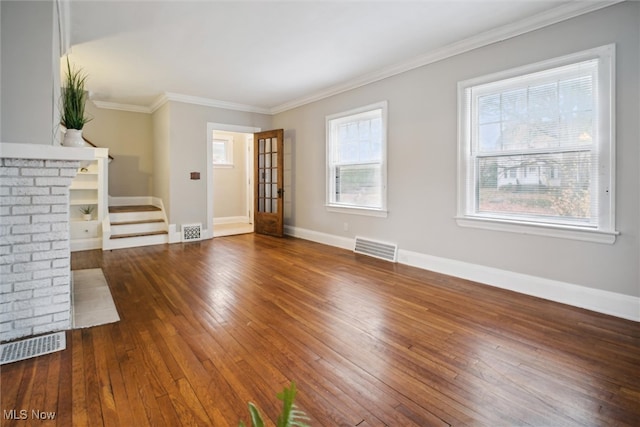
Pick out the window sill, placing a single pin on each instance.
(380, 213)
(223, 165)
(558, 231)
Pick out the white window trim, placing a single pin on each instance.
(605, 231)
(228, 142)
(358, 210)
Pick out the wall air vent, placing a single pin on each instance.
(32, 347)
(382, 250)
(191, 232)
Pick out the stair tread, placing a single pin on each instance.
(133, 208)
(142, 221)
(141, 234)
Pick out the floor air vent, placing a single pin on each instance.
(386, 251)
(191, 232)
(32, 347)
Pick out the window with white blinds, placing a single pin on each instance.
(356, 160)
(536, 147)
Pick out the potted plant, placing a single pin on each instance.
(73, 101)
(86, 212)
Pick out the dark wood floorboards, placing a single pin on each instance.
(208, 326)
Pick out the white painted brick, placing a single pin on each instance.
(18, 296)
(17, 277)
(14, 200)
(61, 245)
(15, 240)
(59, 190)
(31, 209)
(5, 210)
(61, 316)
(31, 228)
(39, 172)
(16, 314)
(62, 281)
(6, 288)
(5, 268)
(52, 291)
(52, 327)
(54, 272)
(53, 181)
(60, 208)
(4, 229)
(68, 172)
(6, 307)
(7, 171)
(16, 219)
(5, 250)
(32, 247)
(6, 327)
(69, 164)
(32, 284)
(5, 191)
(14, 258)
(16, 333)
(32, 303)
(50, 237)
(62, 298)
(50, 200)
(38, 256)
(32, 266)
(49, 218)
(50, 309)
(33, 321)
(60, 263)
(30, 191)
(24, 163)
(16, 181)
(60, 226)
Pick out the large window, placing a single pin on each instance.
(356, 160)
(536, 148)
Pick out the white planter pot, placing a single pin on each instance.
(73, 138)
(86, 217)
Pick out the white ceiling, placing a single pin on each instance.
(271, 55)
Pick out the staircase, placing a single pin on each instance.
(134, 225)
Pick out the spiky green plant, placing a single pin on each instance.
(73, 99)
(290, 415)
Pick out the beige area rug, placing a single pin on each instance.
(92, 301)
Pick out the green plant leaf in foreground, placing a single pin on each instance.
(290, 415)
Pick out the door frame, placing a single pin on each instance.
(211, 127)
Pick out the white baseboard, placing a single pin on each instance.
(232, 220)
(611, 303)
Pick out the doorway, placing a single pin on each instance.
(230, 192)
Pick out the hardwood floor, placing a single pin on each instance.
(206, 327)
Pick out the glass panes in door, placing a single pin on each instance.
(268, 175)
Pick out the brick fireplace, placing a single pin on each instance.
(35, 274)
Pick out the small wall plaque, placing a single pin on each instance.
(195, 175)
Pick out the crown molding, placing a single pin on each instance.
(535, 22)
(122, 107)
(207, 102)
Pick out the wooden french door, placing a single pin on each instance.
(268, 177)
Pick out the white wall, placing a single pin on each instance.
(422, 143)
(188, 153)
(27, 78)
(230, 183)
(129, 138)
(161, 155)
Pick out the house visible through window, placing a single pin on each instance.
(536, 146)
(356, 160)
